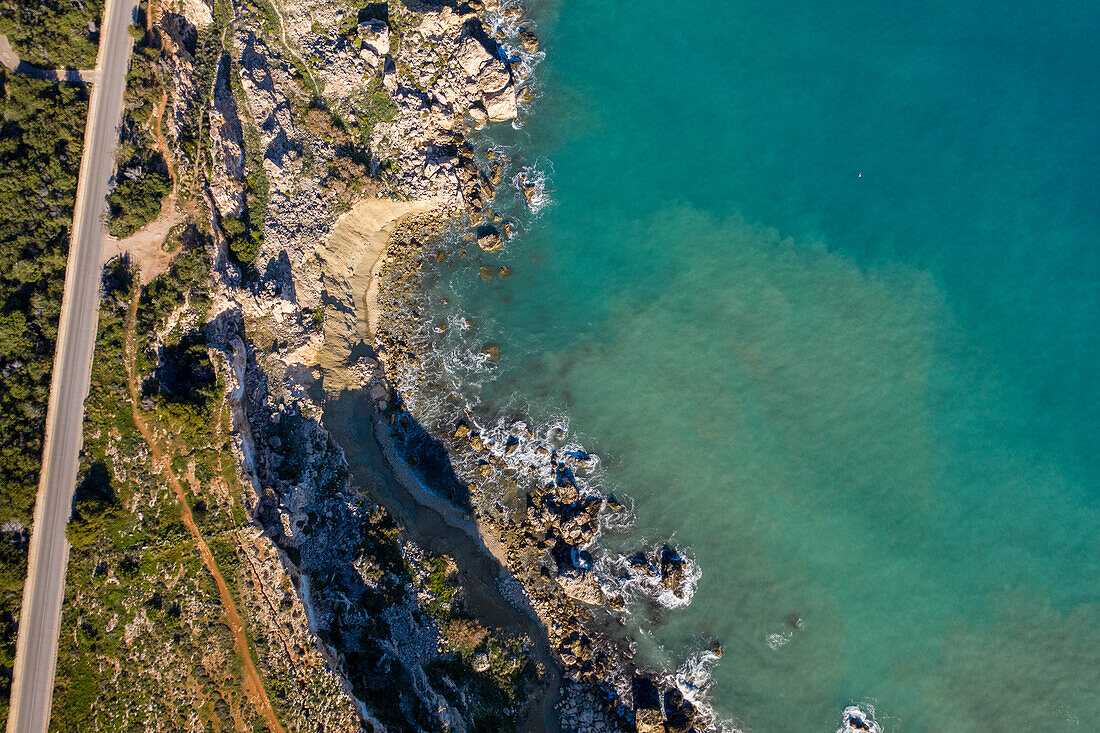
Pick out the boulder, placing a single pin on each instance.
(375, 35)
(647, 706)
(581, 585)
(529, 40)
(530, 189)
(472, 56)
(494, 76)
(501, 105)
(672, 571)
(488, 238)
(478, 115)
(679, 713)
(639, 564)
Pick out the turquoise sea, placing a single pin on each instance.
(819, 284)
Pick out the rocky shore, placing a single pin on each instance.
(445, 585)
(539, 510)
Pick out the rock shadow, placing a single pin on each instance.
(336, 518)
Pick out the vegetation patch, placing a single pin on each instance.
(142, 177)
(41, 134)
(142, 618)
(53, 33)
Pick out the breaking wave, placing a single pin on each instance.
(642, 576)
(532, 181)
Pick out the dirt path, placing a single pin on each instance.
(253, 685)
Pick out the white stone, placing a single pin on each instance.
(501, 105)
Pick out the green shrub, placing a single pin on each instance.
(41, 134)
(52, 33)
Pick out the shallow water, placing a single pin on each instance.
(819, 284)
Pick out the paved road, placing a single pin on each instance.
(40, 619)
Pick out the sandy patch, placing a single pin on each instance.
(352, 258)
(145, 246)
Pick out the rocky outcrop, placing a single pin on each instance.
(529, 40)
(672, 571)
(227, 149)
(581, 585)
(452, 73)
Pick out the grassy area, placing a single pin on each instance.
(142, 631)
(41, 134)
(53, 33)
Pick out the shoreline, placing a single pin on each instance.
(362, 236)
(545, 528)
(349, 483)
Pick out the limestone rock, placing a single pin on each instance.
(529, 40)
(472, 56)
(672, 571)
(501, 105)
(581, 585)
(647, 706)
(227, 150)
(679, 713)
(649, 721)
(494, 76)
(488, 238)
(375, 35)
(478, 115)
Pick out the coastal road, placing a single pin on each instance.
(40, 618)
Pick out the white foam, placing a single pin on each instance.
(616, 576)
(859, 719)
(694, 680)
(537, 175)
(777, 640)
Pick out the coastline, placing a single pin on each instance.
(357, 494)
(353, 417)
(546, 531)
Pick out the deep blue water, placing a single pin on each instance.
(819, 284)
